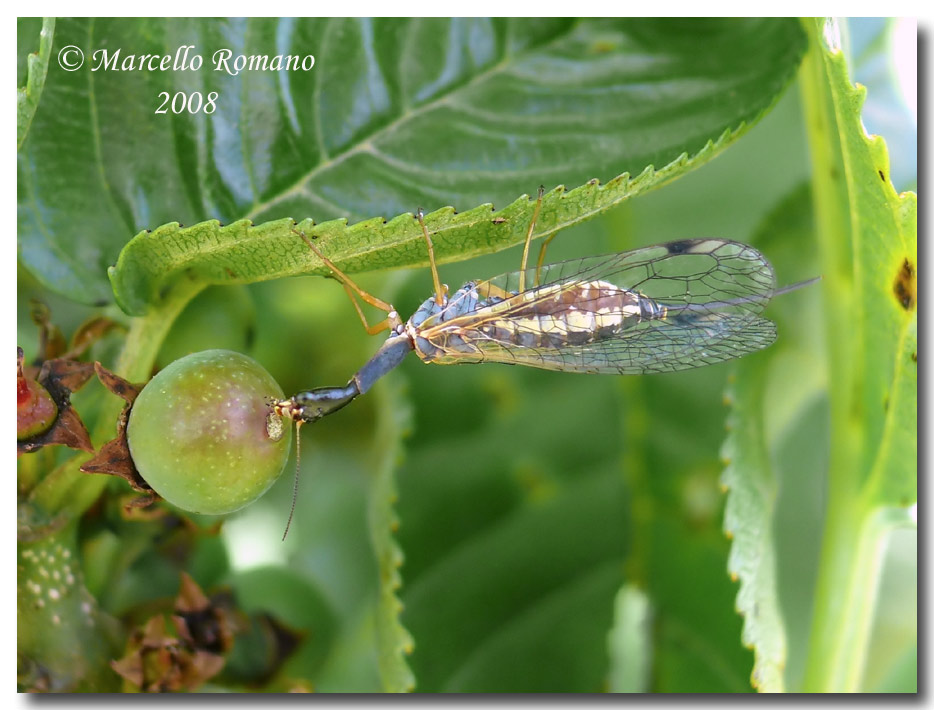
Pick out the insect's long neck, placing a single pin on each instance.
(386, 358)
(316, 403)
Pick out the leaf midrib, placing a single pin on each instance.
(365, 143)
(96, 136)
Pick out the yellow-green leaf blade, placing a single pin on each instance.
(37, 67)
(868, 238)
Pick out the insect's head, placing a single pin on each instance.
(309, 406)
(286, 408)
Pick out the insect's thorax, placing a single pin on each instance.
(480, 316)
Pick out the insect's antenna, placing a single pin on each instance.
(795, 287)
(298, 458)
(743, 300)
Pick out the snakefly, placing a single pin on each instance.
(673, 306)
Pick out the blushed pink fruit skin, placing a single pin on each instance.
(36, 411)
(197, 432)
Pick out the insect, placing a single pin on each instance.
(663, 308)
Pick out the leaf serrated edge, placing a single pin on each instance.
(393, 639)
(142, 275)
(37, 68)
(744, 424)
(855, 527)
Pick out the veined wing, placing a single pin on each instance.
(680, 343)
(692, 272)
(669, 307)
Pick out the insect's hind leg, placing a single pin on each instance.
(528, 237)
(350, 287)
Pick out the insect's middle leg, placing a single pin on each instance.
(541, 258)
(440, 291)
(528, 238)
(391, 322)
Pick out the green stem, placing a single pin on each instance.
(71, 492)
(853, 529)
(851, 558)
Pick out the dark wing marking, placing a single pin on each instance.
(725, 275)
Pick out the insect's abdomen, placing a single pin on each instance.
(570, 314)
(550, 317)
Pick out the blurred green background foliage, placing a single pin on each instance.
(559, 532)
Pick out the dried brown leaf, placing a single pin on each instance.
(60, 377)
(162, 657)
(89, 332)
(114, 457)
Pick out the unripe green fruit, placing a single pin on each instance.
(198, 432)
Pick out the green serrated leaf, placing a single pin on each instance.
(523, 604)
(868, 238)
(209, 253)
(394, 114)
(752, 488)
(513, 536)
(750, 477)
(394, 642)
(37, 66)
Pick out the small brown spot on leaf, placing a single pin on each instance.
(906, 286)
(882, 176)
(499, 220)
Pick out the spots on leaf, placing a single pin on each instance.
(905, 287)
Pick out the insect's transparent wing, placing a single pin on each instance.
(712, 291)
(727, 275)
(680, 342)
